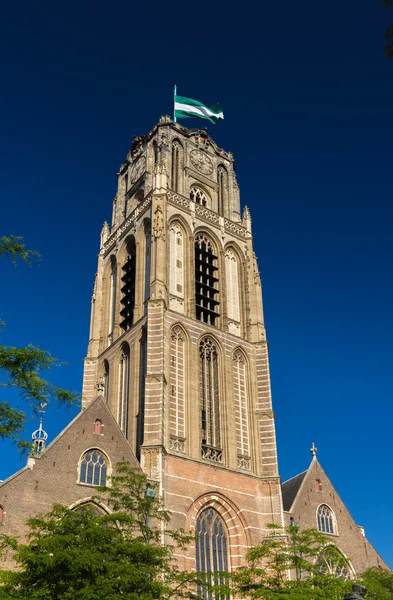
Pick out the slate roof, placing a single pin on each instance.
(290, 488)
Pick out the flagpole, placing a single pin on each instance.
(174, 100)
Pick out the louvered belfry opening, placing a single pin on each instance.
(128, 288)
(206, 280)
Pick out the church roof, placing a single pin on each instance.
(290, 488)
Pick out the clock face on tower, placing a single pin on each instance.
(201, 162)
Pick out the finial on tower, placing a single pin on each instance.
(313, 450)
(39, 436)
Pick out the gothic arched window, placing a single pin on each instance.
(112, 299)
(206, 280)
(334, 562)
(233, 299)
(140, 419)
(241, 409)
(222, 181)
(211, 550)
(210, 400)
(93, 468)
(124, 373)
(1, 514)
(176, 386)
(176, 267)
(128, 287)
(147, 224)
(198, 196)
(325, 519)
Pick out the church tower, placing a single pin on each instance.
(177, 341)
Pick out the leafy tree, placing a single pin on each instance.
(389, 32)
(22, 368)
(82, 555)
(315, 567)
(379, 583)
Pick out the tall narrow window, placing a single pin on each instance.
(211, 548)
(112, 299)
(124, 375)
(176, 268)
(233, 303)
(222, 188)
(106, 381)
(241, 409)
(206, 280)
(1, 514)
(147, 260)
(140, 421)
(176, 165)
(98, 426)
(176, 386)
(128, 287)
(210, 401)
(325, 519)
(93, 468)
(198, 196)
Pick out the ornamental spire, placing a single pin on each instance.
(314, 451)
(39, 436)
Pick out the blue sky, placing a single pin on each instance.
(307, 95)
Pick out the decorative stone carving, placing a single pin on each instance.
(244, 462)
(177, 444)
(137, 169)
(163, 148)
(210, 453)
(179, 200)
(207, 214)
(235, 228)
(137, 145)
(128, 223)
(104, 233)
(158, 224)
(201, 162)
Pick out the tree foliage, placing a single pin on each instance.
(389, 32)
(22, 368)
(379, 583)
(82, 555)
(314, 564)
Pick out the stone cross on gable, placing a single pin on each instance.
(313, 450)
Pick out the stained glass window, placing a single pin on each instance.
(93, 468)
(334, 562)
(211, 551)
(325, 519)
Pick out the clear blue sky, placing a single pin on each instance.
(308, 96)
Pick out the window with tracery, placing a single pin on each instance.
(176, 384)
(206, 281)
(233, 300)
(93, 468)
(128, 287)
(210, 401)
(325, 519)
(241, 409)
(177, 154)
(211, 551)
(334, 562)
(176, 266)
(198, 196)
(222, 189)
(124, 374)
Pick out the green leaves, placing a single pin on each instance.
(13, 247)
(83, 555)
(21, 368)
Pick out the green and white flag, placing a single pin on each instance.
(187, 107)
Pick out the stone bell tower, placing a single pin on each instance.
(177, 341)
